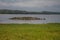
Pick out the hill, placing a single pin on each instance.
(6, 11)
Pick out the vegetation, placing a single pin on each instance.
(30, 31)
(5, 11)
(26, 18)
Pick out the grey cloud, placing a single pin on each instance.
(7, 1)
(13, 1)
(45, 7)
(56, 6)
(32, 8)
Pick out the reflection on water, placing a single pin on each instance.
(4, 18)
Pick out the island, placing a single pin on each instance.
(26, 18)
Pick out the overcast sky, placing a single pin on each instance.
(31, 5)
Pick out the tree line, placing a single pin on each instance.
(6, 11)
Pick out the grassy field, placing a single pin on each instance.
(30, 31)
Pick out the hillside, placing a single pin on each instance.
(6, 11)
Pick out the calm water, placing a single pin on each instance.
(4, 18)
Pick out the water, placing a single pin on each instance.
(4, 18)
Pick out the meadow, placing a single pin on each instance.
(50, 31)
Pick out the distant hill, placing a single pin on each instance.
(6, 11)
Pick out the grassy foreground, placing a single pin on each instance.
(30, 31)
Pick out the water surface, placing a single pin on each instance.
(53, 18)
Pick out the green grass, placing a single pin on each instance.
(30, 31)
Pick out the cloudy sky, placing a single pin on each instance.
(31, 5)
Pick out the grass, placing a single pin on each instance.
(30, 31)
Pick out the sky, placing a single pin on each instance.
(31, 5)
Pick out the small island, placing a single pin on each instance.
(27, 18)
